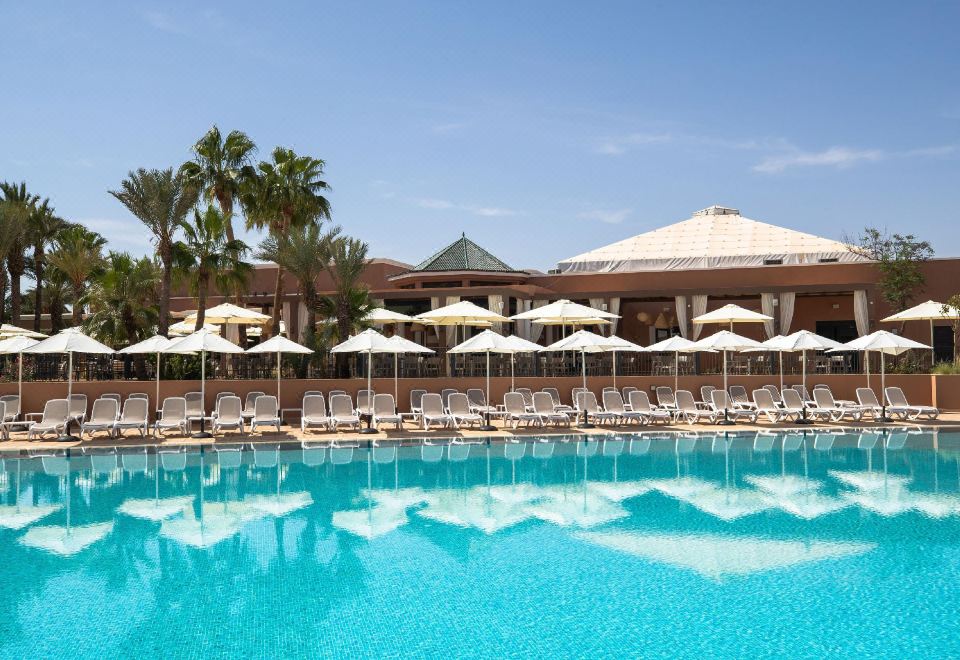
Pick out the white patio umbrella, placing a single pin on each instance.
(803, 341)
(184, 328)
(383, 316)
(725, 341)
(155, 344)
(486, 342)
(520, 345)
(731, 314)
(401, 345)
(369, 341)
(278, 345)
(885, 343)
(69, 341)
(202, 342)
(7, 330)
(615, 344)
(929, 311)
(565, 312)
(18, 344)
(675, 345)
(585, 342)
(228, 313)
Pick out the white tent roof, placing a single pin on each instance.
(928, 311)
(70, 340)
(715, 237)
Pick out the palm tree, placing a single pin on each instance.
(161, 200)
(43, 226)
(218, 167)
(351, 298)
(20, 203)
(280, 195)
(205, 253)
(78, 256)
(57, 289)
(302, 252)
(11, 231)
(123, 301)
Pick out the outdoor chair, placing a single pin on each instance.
(173, 415)
(458, 405)
(433, 412)
(867, 399)
(78, 408)
(739, 398)
(342, 412)
(229, 414)
(385, 411)
(689, 411)
(640, 404)
(103, 417)
(823, 398)
(11, 404)
(613, 403)
(133, 416)
(722, 405)
(56, 412)
(896, 397)
(588, 404)
(544, 406)
(314, 413)
(767, 406)
(250, 404)
(517, 411)
(266, 412)
(666, 398)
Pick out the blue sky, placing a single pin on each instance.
(542, 129)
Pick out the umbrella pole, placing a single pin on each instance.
(278, 378)
(488, 426)
(156, 401)
(66, 437)
(883, 398)
(369, 413)
(676, 370)
(396, 377)
(781, 370)
(933, 351)
(614, 354)
(511, 375)
(726, 419)
(583, 368)
(803, 368)
(203, 404)
(20, 381)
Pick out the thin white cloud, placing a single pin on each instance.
(446, 205)
(162, 21)
(611, 217)
(620, 145)
(845, 157)
(451, 127)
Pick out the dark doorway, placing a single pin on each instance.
(841, 331)
(943, 343)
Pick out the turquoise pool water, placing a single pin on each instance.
(634, 546)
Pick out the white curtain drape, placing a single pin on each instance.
(302, 322)
(787, 301)
(493, 304)
(698, 307)
(766, 306)
(614, 309)
(680, 302)
(452, 331)
(861, 311)
(286, 315)
(435, 304)
(233, 332)
(536, 329)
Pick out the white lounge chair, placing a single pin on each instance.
(724, 407)
(173, 416)
(666, 399)
(867, 399)
(527, 395)
(792, 400)
(194, 407)
(56, 412)
(445, 396)
(110, 395)
(544, 406)
(823, 398)
(739, 398)
(342, 412)
(416, 396)
(517, 411)
(250, 404)
(458, 405)
(575, 396)
(557, 404)
(432, 412)
(78, 408)
(266, 412)
(640, 404)
(103, 417)
(478, 402)
(767, 406)
(11, 407)
(588, 403)
(689, 411)
(133, 416)
(229, 414)
(625, 393)
(896, 397)
(613, 403)
(775, 393)
(706, 400)
(385, 411)
(314, 413)
(365, 401)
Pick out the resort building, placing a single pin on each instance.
(656, 281)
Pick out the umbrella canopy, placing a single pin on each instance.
(7, 330)
(560, 321)
(564, 311)
(183, 328)
(155, 344)
(368, 341)
(202, 341)
(401, 345)
(883, 342)
(802, 340)
(521, 345)
(487, 341)
(230, 313)
(675, 345)
(65, 541)
(382, 316)
(278, 345)
(581, 340)
(71, 340)
(928, 311)
(17, 344)
(724, 341)
(461, 313)
(731, 314)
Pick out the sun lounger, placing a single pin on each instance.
(544, 406)
(266, 412)
(103, 417)
(517, 410)
(458, 406)
(314, 413)
(739, 398)
(433, 412)
(640, 404)
(11, 407)
(575, 396)
(724, 407)
(365, 401)
(527, 395)
(54, 419)
(792, 400)
(688, 411)
(478, 402)
(194, 407)
(416, 396)
(666, 399)
(78, 408)
(250, 404)
(625, 393)
(555, 395)
(706, 400)
(767, 406)
(775, 393)
(173, 415)
(613, 403)
(385, 411)
(342, 412)
(133, 416)
(823, 398)
(229, 414)
(867, 399)
(588, 403)
(110, 395)
(896, 397)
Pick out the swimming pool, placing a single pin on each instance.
(634, 545)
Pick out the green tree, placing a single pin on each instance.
(302, 252)
(899, 258)
(43, 226)
(205, 254)
(11, 231)
(218, 168)
(161, 200)
(122, 301)
(279, 195)
(20, 203)
(350, 301)
(57, 290)
(77, 255)
(950, 308)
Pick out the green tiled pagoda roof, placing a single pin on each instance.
(463, 254)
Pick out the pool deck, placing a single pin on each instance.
(412, 433)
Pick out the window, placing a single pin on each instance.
(773, 262)
(831, 260)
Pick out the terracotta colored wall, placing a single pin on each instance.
(918, 388)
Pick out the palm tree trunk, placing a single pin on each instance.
(202, 283)
(38, 290)
(165, 283)
(343, 329)
(16, 268)
(77, 314)
(3, 295)
(225, 200)
(277, 301)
